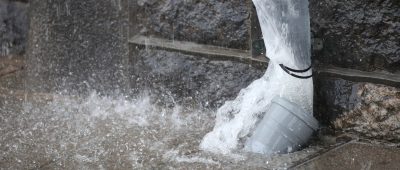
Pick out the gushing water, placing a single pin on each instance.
(99, 132)
(286, 30)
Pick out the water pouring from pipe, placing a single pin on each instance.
(286, 30)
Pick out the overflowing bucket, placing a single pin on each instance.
(284, 128)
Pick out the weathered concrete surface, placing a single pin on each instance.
(363, 35)
(367, 109)
(356, 156)
(188, 78)
(376, 116)
(78, 45)
(212, 22)
(13, 28)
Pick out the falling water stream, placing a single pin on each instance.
(286, 30)
(116, 132)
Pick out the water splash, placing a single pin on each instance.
(104, 132)
(286, 29)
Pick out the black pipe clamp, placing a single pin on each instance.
(290, 70)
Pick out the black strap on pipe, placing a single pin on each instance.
(289, 70)
(297, 71)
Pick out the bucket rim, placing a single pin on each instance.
(297, 111)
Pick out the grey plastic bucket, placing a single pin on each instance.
(285, 128)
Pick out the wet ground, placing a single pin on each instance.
(49, 131)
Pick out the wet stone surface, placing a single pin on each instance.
(333, 97)
(203, 81)
(362, 35)
(377, 115)
(366, 109)
(212, 22)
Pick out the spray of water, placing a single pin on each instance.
(286, 29)
(113, 132)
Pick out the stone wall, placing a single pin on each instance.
(372, 110)
(13, 27)
(375, 115)
(193, 78)
(190, 79)
(213, 22)
(363, 35)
